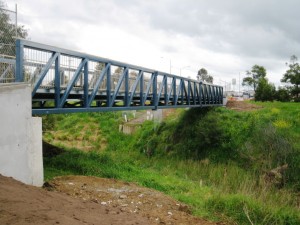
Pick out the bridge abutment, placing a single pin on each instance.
(20, 135)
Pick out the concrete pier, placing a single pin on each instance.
(20, 135)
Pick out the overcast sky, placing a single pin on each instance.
(227, 37)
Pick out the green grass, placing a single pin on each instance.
(213, 160)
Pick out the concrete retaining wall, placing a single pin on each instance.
(20, 136)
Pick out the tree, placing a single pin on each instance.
(257, 72)
(292, 75)
(99, 66)
(264, 91)
(204, 76)
(8, 32)
(283, 95)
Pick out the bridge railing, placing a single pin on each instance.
(68, 81)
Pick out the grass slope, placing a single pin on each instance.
(212, 159)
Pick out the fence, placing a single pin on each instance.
(8, 35)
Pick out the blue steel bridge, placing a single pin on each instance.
(65, 81)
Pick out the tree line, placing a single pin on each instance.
(266, 91)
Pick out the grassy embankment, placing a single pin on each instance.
(214, 160)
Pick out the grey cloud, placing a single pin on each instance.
(253, 27)
(249, 27)
(169, 49)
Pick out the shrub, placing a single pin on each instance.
(264, 91)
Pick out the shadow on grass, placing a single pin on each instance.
(50, 151)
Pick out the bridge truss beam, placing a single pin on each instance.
(65, 81)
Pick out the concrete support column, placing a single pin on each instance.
(20, 136)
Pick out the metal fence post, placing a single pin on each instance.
(19, 61)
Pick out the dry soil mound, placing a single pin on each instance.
(88, 200)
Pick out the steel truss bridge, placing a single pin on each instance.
(65, 81)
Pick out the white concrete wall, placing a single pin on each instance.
(20, 136)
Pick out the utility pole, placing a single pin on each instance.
(16, 21)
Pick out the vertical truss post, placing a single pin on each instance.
(209, 94)
(218, 94)
(142, 89)
(19, 61)
(207, 90)
(222, 95)
(189, 93)
(181, 90)
(108, 86)
(200, 93)
(212, 91)
(166, 90)
(198, 99)
(205, 96)
(195, 93)
(154, 97)
(215, 94)
(174, 91)
(57, 81)
(126, 96)
(86, 85)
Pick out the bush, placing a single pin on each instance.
(264, 91)
(282, 95)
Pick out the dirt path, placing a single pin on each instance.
(242, 106)
(77, 200)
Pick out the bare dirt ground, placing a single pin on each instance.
(22, 204)
(242, 106)
(80, 200)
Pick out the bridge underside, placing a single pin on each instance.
(44, 102)
(65, 81)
